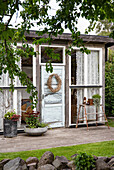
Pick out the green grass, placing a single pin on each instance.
(111, 122)
(98, 149)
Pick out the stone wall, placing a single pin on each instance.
(48, 162)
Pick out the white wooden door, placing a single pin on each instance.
(53, 104)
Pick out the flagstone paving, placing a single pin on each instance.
(56, 138)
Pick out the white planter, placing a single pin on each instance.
(35, 131)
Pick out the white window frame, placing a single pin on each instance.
(54, 64)
(34, 77)
(34, 62)
(16, 87)
(85, 78)
(85, 71)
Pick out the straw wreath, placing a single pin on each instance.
(49, 81)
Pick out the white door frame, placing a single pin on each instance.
(63, 80)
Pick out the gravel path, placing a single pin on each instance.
(56, 138)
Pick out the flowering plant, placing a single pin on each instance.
(11, 115)
(33, 120)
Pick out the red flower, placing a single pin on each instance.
(15, 117)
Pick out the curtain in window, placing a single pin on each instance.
(6, 103)
(93, 68)
(80, 68)
(92, 71)
(5, 80)
(80, 96)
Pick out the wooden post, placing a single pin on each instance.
(86, 116)
(105, 117)
(78, 116)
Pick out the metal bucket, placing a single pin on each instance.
(10, 128)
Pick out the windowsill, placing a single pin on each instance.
(53, 64)
(85, 86)
(15, 87)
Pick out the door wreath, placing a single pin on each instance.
(49, 81)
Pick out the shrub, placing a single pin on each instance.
(84, 162)
(109, 86)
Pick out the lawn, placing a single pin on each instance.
(98, 149)
(111, 122)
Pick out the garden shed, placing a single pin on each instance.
(74, 77)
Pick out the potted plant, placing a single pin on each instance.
(33, 124)
(96, 100)
(10, 123)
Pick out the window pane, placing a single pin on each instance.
(5, 80)
(27, 67)
(6, 101)
(24, 105)
(6, 104)
(80, 67)
(77, 96)
(93, 68)
(77, 68)
(26, 64)
(91, 109)
(76, 99)
(73, 68)
(56, 50)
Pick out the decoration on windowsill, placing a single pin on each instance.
(84, 100)
(90, 101)
(49, 81)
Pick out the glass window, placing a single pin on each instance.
(5, 80)
(77, 96)
(85, 78)
(27, 67)
(56, 50)
(76, 99)
(93, 68)
(79, 69)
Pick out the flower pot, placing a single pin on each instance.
(97, 103)
(35, 131)
(90, 101)
(10, 128)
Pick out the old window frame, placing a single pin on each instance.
(16, 87)
(54, 64)
(85, 86)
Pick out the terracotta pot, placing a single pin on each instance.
(90, 101)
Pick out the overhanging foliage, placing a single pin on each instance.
(36, 13)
